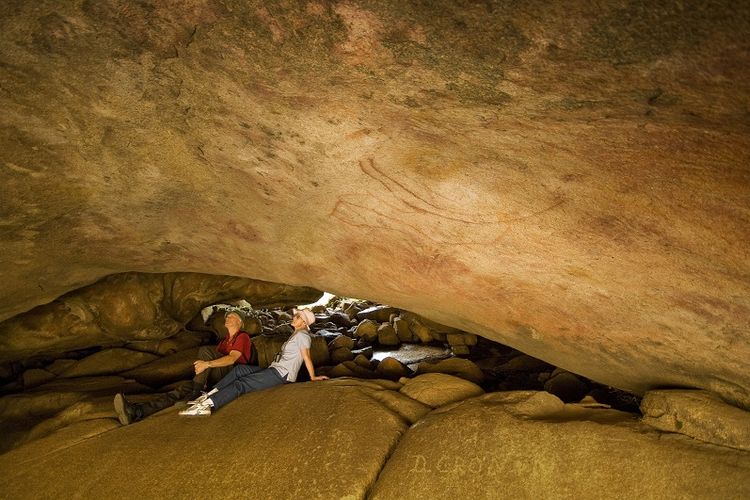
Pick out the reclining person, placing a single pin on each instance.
(245, 378)
(213, 362)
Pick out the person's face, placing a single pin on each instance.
(232, 322)
(298, 322)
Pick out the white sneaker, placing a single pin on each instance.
(199, 400)
(198, 410)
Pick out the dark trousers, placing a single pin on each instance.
(167, 399)
(242, 379)
(209, 353)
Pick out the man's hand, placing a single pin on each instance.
(320, 377)
(200, 366)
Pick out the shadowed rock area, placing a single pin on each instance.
(131, 307)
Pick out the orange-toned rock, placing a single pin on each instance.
(566, 180)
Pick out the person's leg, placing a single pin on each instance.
(237, 372)
(262, 379)
(129, 413)
(218, 373)
(205, 353)
(158, 403)
(254, 380)
(184, 390)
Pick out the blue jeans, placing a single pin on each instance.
(242, 379)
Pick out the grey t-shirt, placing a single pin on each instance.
(289, 359)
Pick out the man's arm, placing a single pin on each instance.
(309, 364)
(228, 360)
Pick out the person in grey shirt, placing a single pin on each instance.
(247, 378)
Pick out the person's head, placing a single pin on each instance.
(233, 321)
(302, 318)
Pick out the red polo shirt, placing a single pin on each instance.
(241, 342)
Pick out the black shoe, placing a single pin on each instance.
(125, 411)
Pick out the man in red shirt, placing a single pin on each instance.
(213, 362)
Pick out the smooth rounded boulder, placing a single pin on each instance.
(341, 434)
(530, 445)
(438, 389)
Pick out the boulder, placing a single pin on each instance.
(367, 330)
(490, 364)
(92, 408)
(351, 311)
(402, 329)
(36, 376)
(59, 394)
(340, 370)
(253, 326)
(340, 319)
(360, 371)
(349, 427)
(392, 369)
(461, 350)
(387, 335)
(408, 409)
(523, 363)
(341, 341)
(566, 386)
(438, 389)
(181, 341)
(698, 414)
(109, 361)
(341, 354)
(58, 366)
(530, 445)
(365, 351)
(163, 371)
(462, 368)
(91, 386)
(329, 336)
(283, 329)
(423, 333)
(65, 437)
(362, 361)
(455, 339)
(282, 316)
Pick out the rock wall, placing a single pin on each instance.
(132, 307)
(568, 180)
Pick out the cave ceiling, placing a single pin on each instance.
(571, 179)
